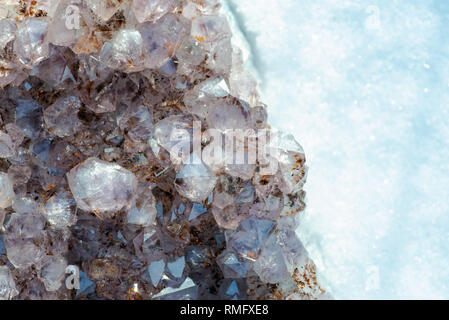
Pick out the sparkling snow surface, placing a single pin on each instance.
(364, 86)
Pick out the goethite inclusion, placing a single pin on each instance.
(107, 110)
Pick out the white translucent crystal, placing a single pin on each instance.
(270, 266)
(56, 69)
(6, 191)
(25, 205)
(61, 117)
(60, 210)
(231, 266)
(7, 32)
(215, 34)
(282, 254)
(162, 38)
(124, 52)
(174, 134)
(101, 186)
(8, 288)
(30, 45)
(28, 117)
(53, 273)
(156, 269)
(15, 133)
(244, 86)
(138, 122)
(11, 73)
(210, 28)
(24, 238)
(199, 99)
(196, 8)
(195, 181)
(151, 10)
(186, 291)
(249, 239)
(293, 252)
(67, 24)
(104, 9)
(191, 51)
(6, 146)
(144, 212)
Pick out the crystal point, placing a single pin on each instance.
(100, 186)
(131, 154)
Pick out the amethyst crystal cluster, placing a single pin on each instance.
(97, 198)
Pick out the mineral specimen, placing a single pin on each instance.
(6, 191)
(133, 154)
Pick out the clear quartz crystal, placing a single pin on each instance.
(15, 133)
(53, 273)
(195, 181)
(6, 191)
(249, 239)
(162, 38)
(104, 9)
(232, 266)
(175, 134)
(139, 122)
(6, 145)
(67, 25)
(29, 117)
(31, 46)
(270, 266)
(23, 239)
(7, 32)
(61, 117)
(8, 289)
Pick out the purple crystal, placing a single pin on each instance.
(131, 152)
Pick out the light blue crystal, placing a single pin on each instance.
(156, 269)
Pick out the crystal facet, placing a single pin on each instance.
(6, 191)
(100, 186)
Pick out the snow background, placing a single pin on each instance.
(364, 87)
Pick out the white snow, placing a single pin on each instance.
(364, 87)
